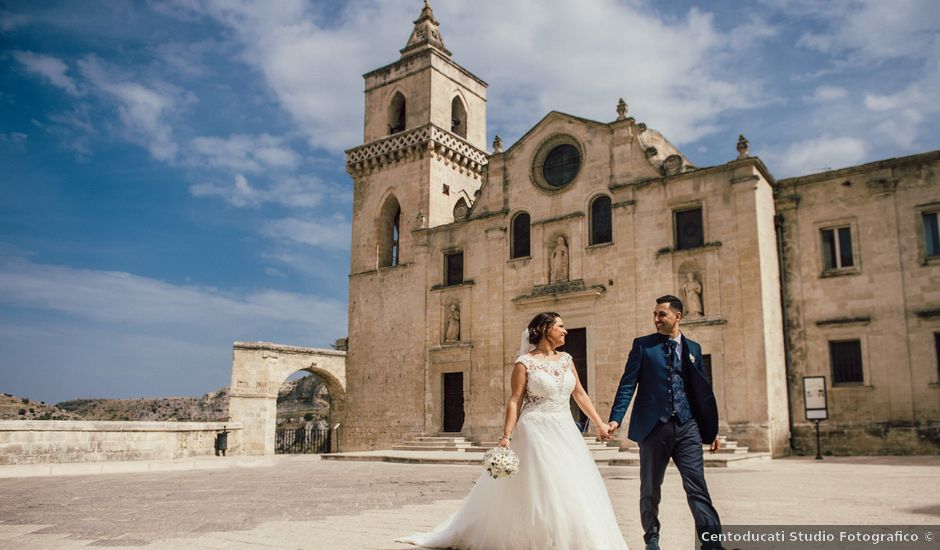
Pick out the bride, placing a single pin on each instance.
(557, 499)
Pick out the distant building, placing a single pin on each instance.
(455, 249)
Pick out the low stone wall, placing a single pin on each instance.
(61, 441)
(869, 438)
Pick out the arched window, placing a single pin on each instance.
(601, 230)
(458, 117)
(396, 114)
(519, 240)
(389, 225)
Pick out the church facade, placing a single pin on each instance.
(456, 246)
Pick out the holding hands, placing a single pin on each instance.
(605, 432)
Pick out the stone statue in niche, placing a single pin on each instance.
(692, 295)
(452, 328)
(559, 262)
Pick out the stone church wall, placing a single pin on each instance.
(888, 300)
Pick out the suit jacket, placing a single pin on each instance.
(645, 375)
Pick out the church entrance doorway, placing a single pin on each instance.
(576, 346)
(453, 402)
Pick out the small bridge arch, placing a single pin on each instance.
(259, 369)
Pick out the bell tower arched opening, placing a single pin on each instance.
(458, 117)
(397, 114)
(389, 233)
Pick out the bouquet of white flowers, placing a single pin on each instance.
(500, 462)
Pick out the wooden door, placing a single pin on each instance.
(453, 401)
(576, 346)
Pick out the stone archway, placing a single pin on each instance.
(259, 369)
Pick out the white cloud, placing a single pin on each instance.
(912, 96)
(274, 272)
(132, 334)
(189, 59)
(869, 38)
(240, 194)
(243, 153)
(72, 128)
(143, 109)
(816, 155)
(872, 30)
(828, 92)
(12, 21)
(902, 115)
(674, 71)
(135, 301)
(331, 233)
(306, 191)
(17, 139)
(48, 67)
(679, 75)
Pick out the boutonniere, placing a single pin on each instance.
(691, 358)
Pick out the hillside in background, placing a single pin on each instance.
(299, 401)
(303, 400)
(22, 408)
(211, 407)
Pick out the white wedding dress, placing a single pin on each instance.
(557, 499)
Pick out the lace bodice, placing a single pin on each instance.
(549, 383)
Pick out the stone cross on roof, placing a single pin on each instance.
(426, 34)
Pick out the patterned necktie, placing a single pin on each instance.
(672, 355)
(677, 403)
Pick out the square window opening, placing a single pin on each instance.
(837, 248)
(846, 360)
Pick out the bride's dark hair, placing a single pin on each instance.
(540, 325)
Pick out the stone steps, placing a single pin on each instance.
(712, 460)
(728, 447)
(446, 442)
(457, 449)
(607, 457)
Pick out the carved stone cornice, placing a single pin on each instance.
(933, 313)
(270, 346)
(558, 294)
(844, 321)
(427, 140)
(710, 320)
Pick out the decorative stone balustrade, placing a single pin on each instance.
(417, 143)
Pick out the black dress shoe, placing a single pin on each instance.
(652, 544)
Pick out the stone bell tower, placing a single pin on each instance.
(420, 166)
(424, 147)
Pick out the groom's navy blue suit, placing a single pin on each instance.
(646, 366)
(670, 419)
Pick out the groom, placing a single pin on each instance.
(674, 413)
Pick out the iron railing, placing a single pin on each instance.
(308, 440)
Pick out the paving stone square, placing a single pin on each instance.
(301, 502)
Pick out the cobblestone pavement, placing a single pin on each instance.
(302, 502)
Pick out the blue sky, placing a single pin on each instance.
(172, 170)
